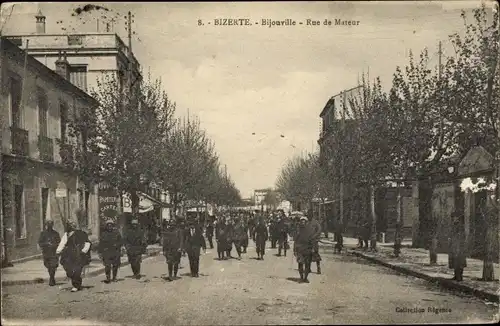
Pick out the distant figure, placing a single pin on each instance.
(136, 246)
(193, 242)
(303, 249)
(282, 232)
(74, 249)
(110, 245)
(221, 238)
(48, 242)
(260, 236)
(172, 248)
(316, 235)
(239, 235)
(457, 256)
(209, 232)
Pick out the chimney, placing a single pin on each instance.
(63, 66)
(40, 22)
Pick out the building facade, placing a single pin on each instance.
(91, 55)
(37, 185)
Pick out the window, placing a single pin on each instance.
(75, 39)
(15, 102)
(78, 76)
(19, 212)
(45, 205)
(42, 111)
(86, 207)
(63, 108)
(83, 205)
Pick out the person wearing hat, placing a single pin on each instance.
(282, 231)
(221, 238)
(303, 248)
(74, 249)
(110, 245)
(48, 241)
(172, 248)
(193, 243)
(260, 236)
(238, 235)
(457, 259)
(209, 231)
(230, 237)
(136, 246)
(316, 235)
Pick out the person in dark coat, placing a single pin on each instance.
(48, 241)
(230, 237)
(238, 235)
(272, 232)
(136, 246)
(74, 249)
(260, 236)
(172, 248)
(209, 232)
(282, 231)
(303, 248)
(244, 242)
(457, 256)
(193, 243)
(221, 238)
(110, 245)
(365, 233)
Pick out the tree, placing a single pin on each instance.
(120, 138)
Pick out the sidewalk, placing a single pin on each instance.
(415, 262)
(33, 271)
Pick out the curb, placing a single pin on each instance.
(93, 273)
(445, 283)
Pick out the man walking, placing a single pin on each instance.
(74, 249)
(48, 241)
(238, 235)
(230, 237)
(110, 245)
(457, 257)
(136, 246)
(221, 238)
(209, 231)
(194, 241)
(303, 248)
(260, 236)
(172, 248)
(282, 231)
(316, 236)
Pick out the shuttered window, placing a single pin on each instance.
(78, 76)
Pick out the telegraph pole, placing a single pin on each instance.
(440, 52)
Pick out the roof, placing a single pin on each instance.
(19, 55)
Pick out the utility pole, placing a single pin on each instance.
(440, 52)
(341, 217)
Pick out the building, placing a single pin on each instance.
(349, 201)
(91, 55)
(37, 185)
(259, 197)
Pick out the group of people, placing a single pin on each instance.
(181, 237)
(72, 250)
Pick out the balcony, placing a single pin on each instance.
(46, 147)
(67, 155)
(20, 142)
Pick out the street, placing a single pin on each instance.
(249, 291)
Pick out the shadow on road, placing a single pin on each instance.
(293, 279)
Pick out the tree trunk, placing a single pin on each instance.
(490, 238)
(399, 208)
(373, 242)
(433, 228)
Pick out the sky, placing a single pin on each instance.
(251, 85)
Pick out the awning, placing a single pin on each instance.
(146, 203)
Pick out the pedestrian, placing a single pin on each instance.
(136, 246)
(48, 241)
(230, 237)
(316, 235)
(457, 255)
(246, 236)
(260, 236)
(282, 231)
(74, 249)
(110, 245)
(172, 248)
(272, 232)
(366, 229)
(303, 248)
(209, 232)
(239, 233)
(194, 241)
(221, 238)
